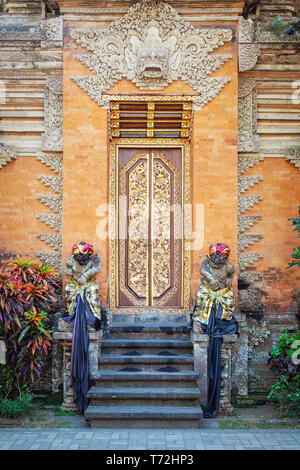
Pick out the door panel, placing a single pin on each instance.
(150, 220)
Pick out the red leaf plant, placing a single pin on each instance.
(28, 294)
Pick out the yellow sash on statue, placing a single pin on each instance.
(205, 300)
(89, 289)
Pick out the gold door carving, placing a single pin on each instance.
(149, 257)
(149, 254)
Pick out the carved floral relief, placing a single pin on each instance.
(152, 45)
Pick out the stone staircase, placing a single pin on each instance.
(146, 375)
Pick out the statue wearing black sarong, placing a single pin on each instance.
(83, 308)
(214, 313)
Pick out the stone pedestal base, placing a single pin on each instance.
(64, 337)
(200, 342)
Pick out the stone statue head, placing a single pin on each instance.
(218, 255)
(152, 55)
(82, 252)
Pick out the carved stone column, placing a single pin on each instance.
(200, 342)
(64, 338)
(226, 374)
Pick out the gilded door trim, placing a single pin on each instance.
(113, 222)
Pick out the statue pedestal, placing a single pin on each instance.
(64, 337)
(200, 342)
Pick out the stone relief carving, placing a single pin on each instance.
(247, 239)
(248, 50)
(152, 46)
(53, 221)
(246, 182)
(247, 221)
(246, 30)
(245, 202)
(52, 32)
(7, 154)
(258, 331)
(52, 137)
(266, 33)
(54, 202)
(246, 161)
(46, 33)
(292, 155)
(248, 258)
(248, 140)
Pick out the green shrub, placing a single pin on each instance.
(284, 362)
(16, 408)
(27, 297)
(296, 254)
(60, 412)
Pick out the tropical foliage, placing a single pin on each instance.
(285, 363)
(27, 296)
(296, 254)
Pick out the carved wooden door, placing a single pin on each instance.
(150, 228)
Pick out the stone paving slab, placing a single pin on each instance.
(164, 439)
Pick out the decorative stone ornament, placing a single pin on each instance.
(52, 137)
(7, 154)
(249, 51)
(152, 46)
(248, 138)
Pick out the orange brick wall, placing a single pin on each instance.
(19, 188)
(214, 167)
(86, 147)
(213, 185)
(280, 191)
(86, 160)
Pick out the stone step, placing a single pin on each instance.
(109, 378)
(146, 361)
(164, 331)
(187, 396)
(117, 346)
(160, 417)
(151, 318)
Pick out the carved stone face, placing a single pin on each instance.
(81, 258)
(217, 260)
(153, 61)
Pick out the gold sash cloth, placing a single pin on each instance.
(205, 300)
(90, 289)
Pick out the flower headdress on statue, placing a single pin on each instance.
(82, 248)
(221, 248)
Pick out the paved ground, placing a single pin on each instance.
(123, 439)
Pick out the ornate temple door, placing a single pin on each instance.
(149, 245)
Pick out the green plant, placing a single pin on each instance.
(16, 408)
(27, 296)
(60, 412)
(296, 254)
(278, 26)
(240, 423)
(286, 391)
